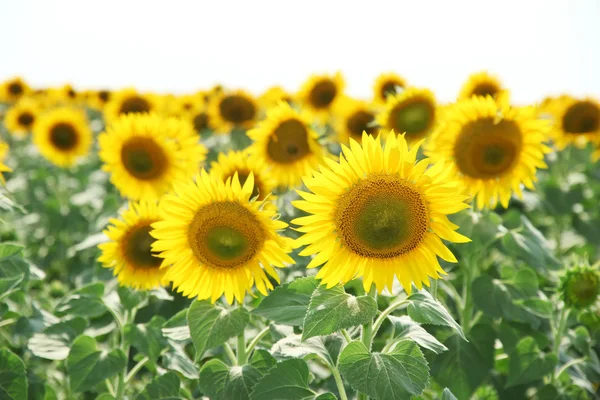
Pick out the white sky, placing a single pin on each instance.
(537, 47)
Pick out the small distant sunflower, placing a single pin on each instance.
(13, 89)
(217, 240)
(228, 111)
(19, 119)
(97, 99)
(575, 121)
(387, 84)
(129, 253)
(274, 95)
(412, 112)
(580, 286)
(200, 117)
(320, 93)
(62, 135)
(494, 148)
(481, 84)
(188, 102)
(3, 168)
(354, 117)
(129, 101)
(146, 153)
(287, 145)
(242, 163)
(378, 215)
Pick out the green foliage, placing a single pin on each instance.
(13, 379)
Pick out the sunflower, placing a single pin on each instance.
(287, 145)
(146, 153)
(19, 119)
(387, 84)
(129, 252)
(352, 117)
(576, 121)
(217, 240)
(412, 112)
(242, 163)
(199, 117)
(272, 96)
(62, 135)
(320, 93)
(129, 101)
(3, 153)
(96, 99)
(494, 148)
(378, 215)
(228, 111)
(580, 286)
(481, 84)
(13, 89)
(188, 102)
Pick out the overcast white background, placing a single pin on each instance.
(536, 47)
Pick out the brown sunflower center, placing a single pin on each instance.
(71, 93)
(388, 88)
(485, 89)
(289, 142)
(15, 88)
(63, 136)
(237, 109)
(487, 150)
(581, 117)
(415, 118)
(361, 121)
(322, 93)
(104, 95)
(137, 245)
(200, 122)
(25, 119)
(382, 216)
(225, 235)
(144, 158)
(134, 104)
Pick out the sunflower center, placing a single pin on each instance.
(581, 117)
(138, 248)
(134, 104)
(104, 95)
(63, 136)
(289, 142)
(322, 93)
(25, 119)
(237, 109)
(15, 88)
(201, 122)
(71, 93)
(414, 118)
(487, 150)
(225, 235)
(485, 89)
(585, 289)
(382, 216)
(143, 158)
(360, 121)
(389, 88)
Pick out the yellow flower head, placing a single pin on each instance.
(352, 118)
(320, 93)
(129, 101)
(576, 121)
(13, 89)
(481, 84)
(387, 84)
(3, 153)
(274, 95)
(228, 111)
(19, 119)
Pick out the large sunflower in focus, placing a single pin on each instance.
(62, 135)
(19, 119)
(13, 89)
(146, 153)
(228, 111)
(378, 215)
(387, 84)
(287, 145)
(352, 118)
(129, 253)
(494, 148)
(412, 112)
(129, 101)
(575, 121)
(217, 240)
(3, 168)
(320, 93)
(481, 84)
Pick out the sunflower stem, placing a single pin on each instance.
(560, 331)
(124, 346)
(385, 313)
(257, 339)
(339, 383)
(367, 329)
(241, 349)
(346, 335)
(230, 353)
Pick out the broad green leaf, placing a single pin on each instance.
(424, 309)
(287, 304)
(130, 298)
(7, 284)
(177, 360)
(54, 343)
(333, 309)
(165, 387)
(326, 347)
(147, 338)
(262, 360)
(83, 302)
(528, 364)
(404, 327)
(222, 382)
(397, 375)
(9, 249)
(213, 375)
(13, 378)
(177, 327)
(211, 326)
(87, 366)
(447, 395)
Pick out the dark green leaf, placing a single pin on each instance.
(213, 375)
(13, 379)
(130, 298)
(177, 327)
(147, 338)
(287, 304)
(447, 395)
(404, 327)
(9, 249)
(7, 284)
(84, 302)
(262, 360)
(105, 396)
(221, 382)
(176, 360)
(326, 347)
(528, 364)
(425, 309)
(55, 341)
(288, 380)
(164, 387)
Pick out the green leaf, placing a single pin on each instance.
(326, 347)
(221, 382)
(528, 364)
(425, 309)
(147, 338)
(54, 343)
(130, 298)
(13, 378)
(177, 360)
(400, 374)
(404, 327)
(447, 395)
(211, 326)
(177, 327)
(88, 366)
(213, 375)
(83, 302)
(105, 396)
(288, 380)
(165, 387)
(333, 309)
(9, 249)
(7, 284)
(262, 360)
(287, 304)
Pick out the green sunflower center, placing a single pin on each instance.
(15, 88)
(63, 136)
(237, 109)
(415, 118)
(138, 248)
(581, 117)
(134, 104)
(226, 242)
(383, 216)
(144, 158)
(322, 93)
(25, 119)
(289, 142)
(485, 89)
(200, 122)
(361, 121)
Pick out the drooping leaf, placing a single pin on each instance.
(13, 378)
(165, 387)
(527, 363)
(54, 343)
(405, 327)
(177, 360)
(177, 327)
(288, 303)
(326, 347)
(83, 302)
(423, 308)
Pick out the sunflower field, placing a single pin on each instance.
(298, 245)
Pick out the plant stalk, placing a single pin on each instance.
(241, 349)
